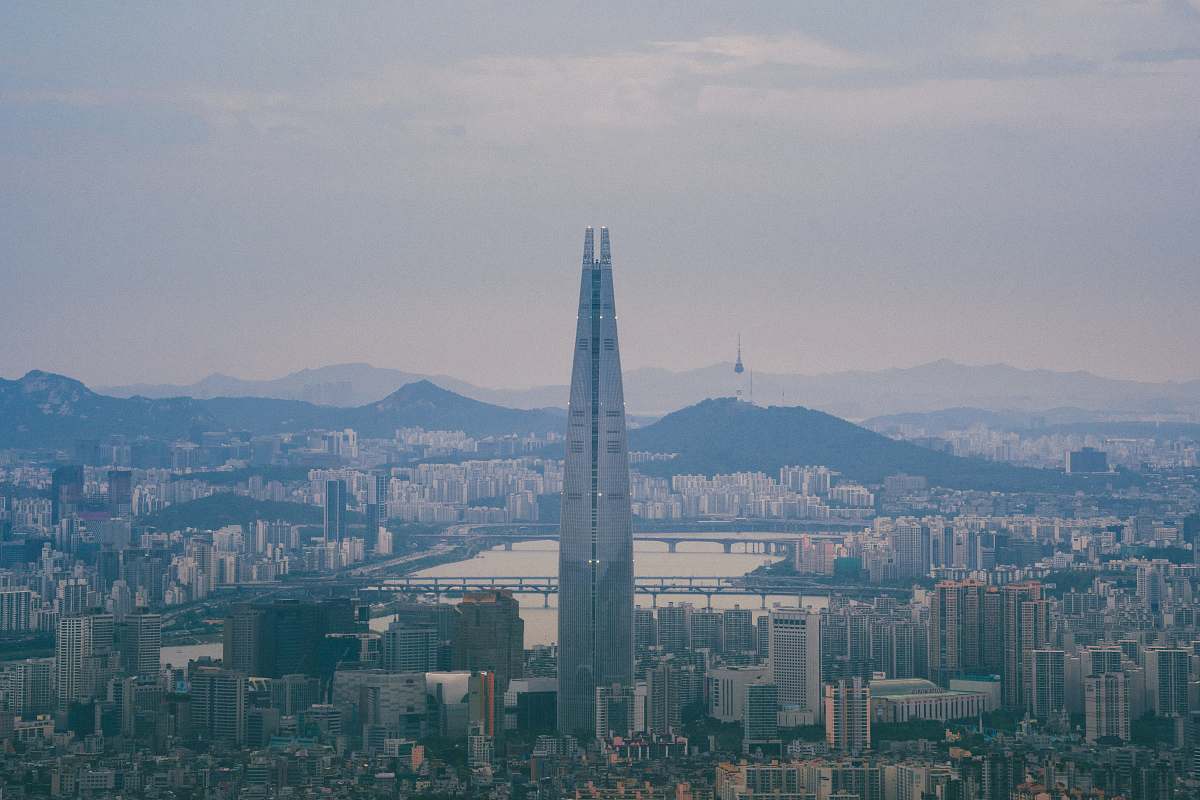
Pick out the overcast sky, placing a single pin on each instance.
(254, 189)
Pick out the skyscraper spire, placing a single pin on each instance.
(595, 567)
(588, 247)
(605, 250)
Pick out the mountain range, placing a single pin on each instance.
(852, 394)
(44, 410)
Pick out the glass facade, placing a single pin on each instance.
(595, 618)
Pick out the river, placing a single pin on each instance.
(541, 558)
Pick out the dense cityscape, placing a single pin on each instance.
(624, 401)
(236, 615)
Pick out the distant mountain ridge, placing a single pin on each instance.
(723, 435)
(852, 394)
(42, 409)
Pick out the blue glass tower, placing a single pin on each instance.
(595, 565)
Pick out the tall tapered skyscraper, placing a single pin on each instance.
(595, 563)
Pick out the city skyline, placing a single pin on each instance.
(1001, 184)
(900, 499)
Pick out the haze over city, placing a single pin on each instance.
(253, 191)
(554, 402)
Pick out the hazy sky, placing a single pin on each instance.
(253, 189)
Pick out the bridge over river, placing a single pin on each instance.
(769, 542)
(761, 586)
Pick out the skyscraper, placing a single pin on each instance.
(140, 635)
(1106, 706)
(120, 492)
(82, 657)
(489, 637)
(848, 715)
(794, 661)
(377, 498)
(218, 704)
(1167, 680)
(1047, 671)
(335, 510)
(1026, 617)
(66, 492)
(965, 630)
(595, 566)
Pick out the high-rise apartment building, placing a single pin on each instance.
(965, 630)
(848, 715)
(1106, 706)
(1047, 681)
(910, 548)
(674, 627)
(83, 657)
(1026, 620)
(27, 686)
(16, 608)
(737, 634)
(1167, 681)
(795, 661)
(595, 616)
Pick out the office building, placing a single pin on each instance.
(727, 690)
(218, 705)
(595, 616)
(376, 508)
(241, 634)
(120, 493)
(393, 702)
(489, 637)
(140, 637)
(335, 510)
(283, 637)
(794, 662)
(1086, 459)
(66, 492)
(409, 647)
(760, 720)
